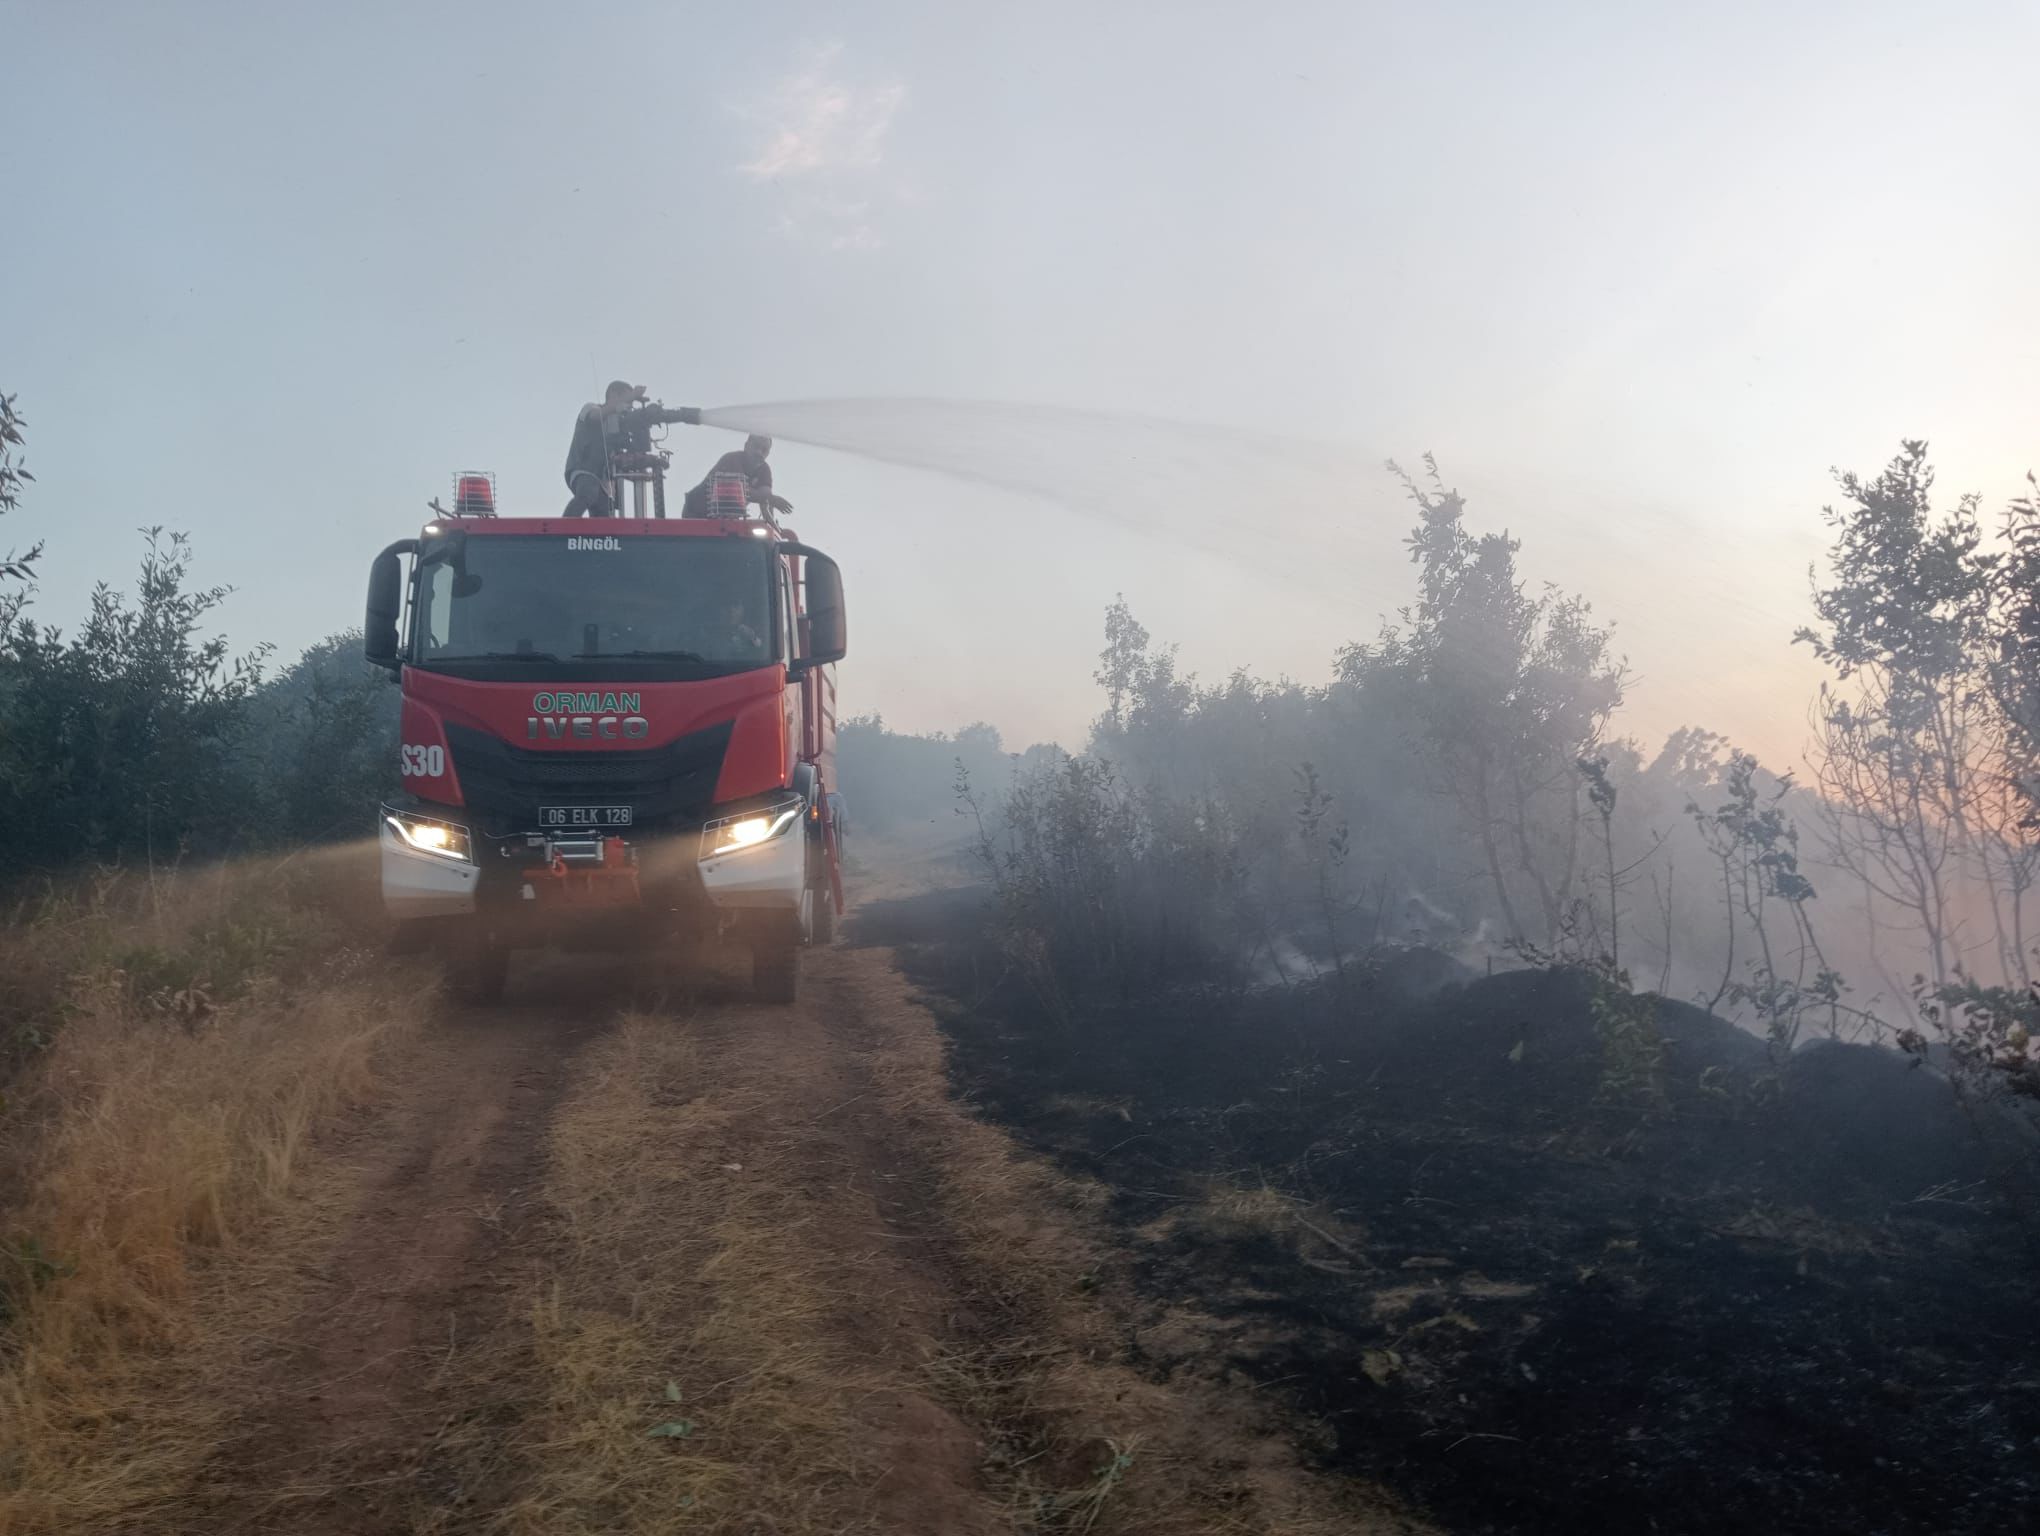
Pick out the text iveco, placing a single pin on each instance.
(609, 716)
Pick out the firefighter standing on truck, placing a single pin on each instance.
(588, 455)
(751, 464)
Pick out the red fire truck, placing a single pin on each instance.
(616, 732)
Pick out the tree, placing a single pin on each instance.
(980, 736)
(1121, 662)
(1913, 758)
(1755, 844)
(1507, 693)
(327, 728)
(13, 475)
(127, 740)
(1326, 845)
(1144, 696)
(2014, 646)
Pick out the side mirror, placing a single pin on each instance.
(385, 605)
(827, 628)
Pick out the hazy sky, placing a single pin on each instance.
(1638, 274)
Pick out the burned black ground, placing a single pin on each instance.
(1752, 1302)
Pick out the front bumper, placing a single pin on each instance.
(506, 874)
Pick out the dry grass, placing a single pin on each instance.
(1084, 1106)
(686, 1292)
(1243, 1209)
(187, 1035)
(1230, 1211)
(1809, 1231)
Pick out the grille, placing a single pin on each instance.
(670, 784)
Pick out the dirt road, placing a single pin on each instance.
(604, 1263)
(416, 1246)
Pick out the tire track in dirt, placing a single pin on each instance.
(861, 1307)
(916, 1307)
(874, 1214)
(727, 1221)
(357, 1413)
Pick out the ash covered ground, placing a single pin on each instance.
(1410, 1203)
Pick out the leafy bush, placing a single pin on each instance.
(1104, 891)
(1991, 1036)
(124, 741)
(327, 734)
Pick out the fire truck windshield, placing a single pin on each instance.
(537, 606)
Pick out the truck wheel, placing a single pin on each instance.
(775, 967)
(822, 905)
(480, 966)
(411, 936)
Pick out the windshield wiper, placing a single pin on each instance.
(648, 656)
(499, 656)
(642, 655)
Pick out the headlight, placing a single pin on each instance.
(733, 834)
(442, 839)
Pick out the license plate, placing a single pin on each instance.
(584, 815)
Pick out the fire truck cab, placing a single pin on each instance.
(616, 732)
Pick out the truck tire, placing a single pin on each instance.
(478, 968)
(412, 936)
(775, 964)
(822, 918)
